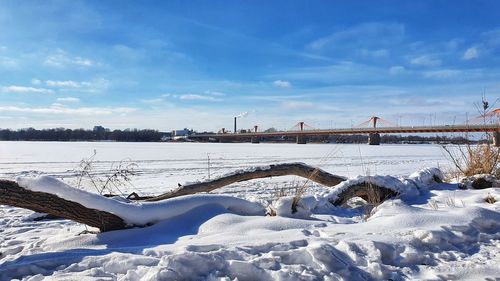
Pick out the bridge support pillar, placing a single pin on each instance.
(255, 140)
(374, 139)
(301, 139)
(496, 139)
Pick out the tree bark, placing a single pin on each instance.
(14, 195)
(297, 169)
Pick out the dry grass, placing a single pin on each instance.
(490, 199)
(374, 199)
(477, 159)
(472, 160)
(119, 175)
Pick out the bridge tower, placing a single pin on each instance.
(301, 126)
(374, 138)
(255, 139)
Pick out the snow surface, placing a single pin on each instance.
(161, 166)
(438, 233)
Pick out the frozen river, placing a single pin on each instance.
(161, 166)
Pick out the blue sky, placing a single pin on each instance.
(197, 64)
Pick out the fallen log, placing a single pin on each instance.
(13, 195)
(295, 169)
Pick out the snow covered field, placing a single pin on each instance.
(438, 233)
(161, 166)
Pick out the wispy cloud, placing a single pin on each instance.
(397, 69)
(442, 74)
(68, 99)
(471, 53)
(282, 84)
(26, 90)
(35, 81)
(425, 60)
(375, 54)
(376, 33)
(197, 97)
(152, 101)
(8, 62)
(61, 59)
(96, 85)
(215, 93)
(298, 105)
(58, 109)
(63, 84)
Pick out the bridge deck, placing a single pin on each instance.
(351, 131)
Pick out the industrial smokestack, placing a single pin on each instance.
(241, 115)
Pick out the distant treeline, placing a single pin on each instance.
(61, 134)
(131, 135)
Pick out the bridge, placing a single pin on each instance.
(372, 127)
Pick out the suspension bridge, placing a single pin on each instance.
(373, 127)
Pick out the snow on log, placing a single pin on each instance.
(376, 189)
(294, 169)
(49, 195)
(14, 195)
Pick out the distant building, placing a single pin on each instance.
(99, 132)
(180, 133)
(99, 129)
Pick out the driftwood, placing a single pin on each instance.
(296, 169)
(14, 195)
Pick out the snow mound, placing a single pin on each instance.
(406, 188)
(139, 213)
(426, 177)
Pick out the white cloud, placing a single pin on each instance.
(68, 99)
(471, 53)
(398, 69)
(92, 86)
(426, 60)
(59, 109)
(282, 84)
(215, 93)
(442, 74)
(61, 59)
(8, 62)
(35, 81)
(26, 90)
(197, 97)
(63, 84)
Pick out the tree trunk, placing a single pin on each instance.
(14, 195)
(296, 169)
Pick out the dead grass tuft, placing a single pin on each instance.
(470, 159)
(490, 199)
